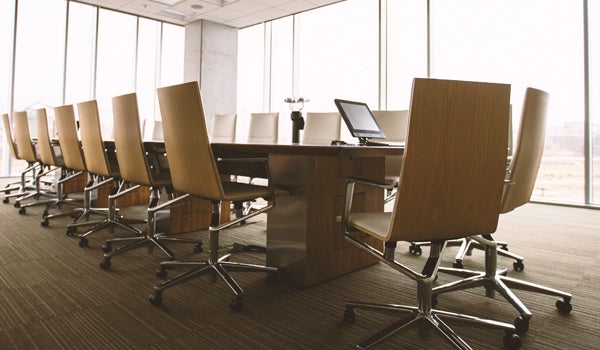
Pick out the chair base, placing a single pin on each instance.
(151, 242)
(466, 246)
(427, 320)
(495, 280)
(214, 266)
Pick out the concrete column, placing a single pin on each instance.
(211, 59)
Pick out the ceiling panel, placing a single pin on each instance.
(235, 13)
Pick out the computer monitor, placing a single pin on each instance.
(360, 121)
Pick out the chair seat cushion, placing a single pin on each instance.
(239, 191)
(375, 224)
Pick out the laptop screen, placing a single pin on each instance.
(359, 119)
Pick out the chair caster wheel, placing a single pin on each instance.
(83, 242)
(45, 223)
(521, 325)
(71, 231)
(106, 247)
(457, 265)
(350, 315)
(45, 213)
(5, 200)
(156, 298)
(198, 248)
(564, 306)
(105, 264)
(518, 266)
(237, 304)
(512, 341)
(17, 205)
(22, 211)
(415, 250)
(161, 272)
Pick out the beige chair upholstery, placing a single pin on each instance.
(102, 165)
(450, 186)
(51, 154)
(394, 124)
(195, 172)
(223, 128)
(26, 150)
(135, 168)
(263, 128)
(321, 128)
(519, 186)
(27, 175)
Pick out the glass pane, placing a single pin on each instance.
(518, 42)
(7, 13)
(148, 54)
(406, 49)
(594, 40)
(282, 58)
(339, 55)
(79, 85)
(173, 48)
(250, 77)
(116, 62)
(39, 57)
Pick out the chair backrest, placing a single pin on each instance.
(45, 148)
(263, 127)
(96, 159)
(66, 127)
(394, 124)
(528, 150)
(321, 128)
(452, 178)
(191, 162)
(223, 128)
(131, 156)
(9, 138)
(25, 148)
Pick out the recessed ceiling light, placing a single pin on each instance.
(168, 2)
(197, 7)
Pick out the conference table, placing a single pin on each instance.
(303, 237)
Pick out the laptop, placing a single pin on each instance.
(360, 121)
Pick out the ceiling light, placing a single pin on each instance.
(168, 2)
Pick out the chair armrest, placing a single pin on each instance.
(370, 182)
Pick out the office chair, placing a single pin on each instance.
(25, 184)
(26, 150)
(51, 154)
(223, 128)
(393, 123)
(519, 186)
(263, 128)
(467, 244)
(450, 186)
(195, 172)
(321, 128)
(104, 169)
(135, 168)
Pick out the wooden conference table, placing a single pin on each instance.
(303, 237)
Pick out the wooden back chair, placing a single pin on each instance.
(223, 128)
(195, 172)
(135, 168)
(517, 191)
(263, 128)
(450, 186)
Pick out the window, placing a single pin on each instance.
(518, 42)
(116, 62)
(250, 77)
(149, 35)
(81, 53)
(7, 15)
(594, 50)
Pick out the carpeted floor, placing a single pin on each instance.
(53, 295)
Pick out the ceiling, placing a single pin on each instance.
(234, 13)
